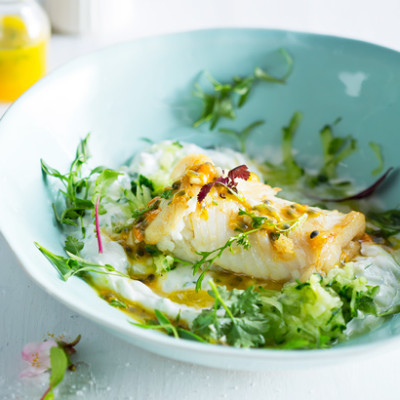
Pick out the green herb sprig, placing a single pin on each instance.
(227, 97)
(208, 257)
(75, 265)
(243, 134)
(164, 324)
(76, 187)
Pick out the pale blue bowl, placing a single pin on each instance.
(144, 89)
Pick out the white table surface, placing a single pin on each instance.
(113, 369)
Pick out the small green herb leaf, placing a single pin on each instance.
(118, 303)
(73, 245)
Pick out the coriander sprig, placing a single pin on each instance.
(208, 257)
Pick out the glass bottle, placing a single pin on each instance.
(24, 36)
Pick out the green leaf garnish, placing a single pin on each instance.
(288, 172)
(387, 222)
(164, 324)
(243, 134)
(335, 150)
(58, 365)
(75, 265)
(227, 97)
(73, 245)
(75, 187)
(208, 257)
(118, 303)
(376, 148)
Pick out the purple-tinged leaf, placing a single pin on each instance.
(241, 172)
(204, 191)
(364, 193)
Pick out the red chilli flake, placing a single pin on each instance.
(241, 172)
(96, 215)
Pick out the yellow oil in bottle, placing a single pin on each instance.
(22, 61)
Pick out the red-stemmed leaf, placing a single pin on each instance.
(96, 216)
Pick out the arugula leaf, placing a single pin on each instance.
(243, 134)
(73, 245)
(75, 265)
(376, 148)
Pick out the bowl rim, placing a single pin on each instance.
(265, 354)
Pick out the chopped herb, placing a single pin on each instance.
(167, 194)
(388, 222)
(257, 221)
(73, 245)
(288, 172)
(378, 152)
(118, 303)
(147, 140)
(75, 189)
(208, 257)
(143, 181)
(177, 144)
(163, 263)
(335, 150)
(226, 97)
(243, 134)
(164, 324)
(138, 213)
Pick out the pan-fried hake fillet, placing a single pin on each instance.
(292, 240)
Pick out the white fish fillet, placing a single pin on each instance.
(184, 227)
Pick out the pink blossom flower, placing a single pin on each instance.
(37, 357)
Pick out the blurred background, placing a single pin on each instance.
(36, 36)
